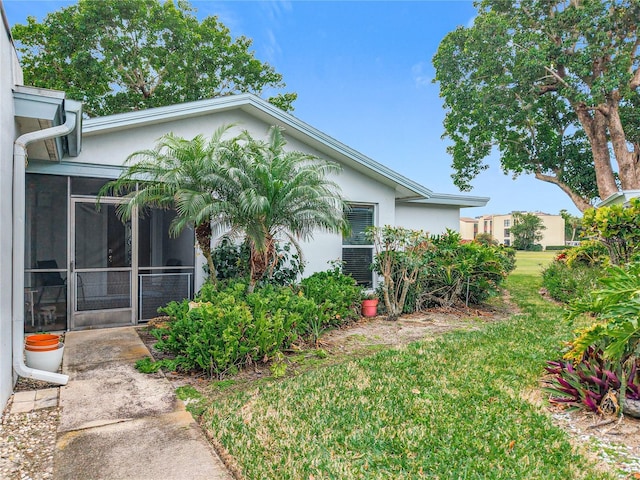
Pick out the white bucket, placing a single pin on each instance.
(48, 361)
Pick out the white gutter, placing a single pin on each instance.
(19, 165)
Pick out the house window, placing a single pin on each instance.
(357, 250)
(507, 222)
(507, 233)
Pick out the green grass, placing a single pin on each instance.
(532, 263)
(454, 408)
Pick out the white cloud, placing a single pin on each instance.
(421, 75)
(276, 9)
(271, 46)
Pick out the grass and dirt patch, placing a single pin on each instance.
(445, 394)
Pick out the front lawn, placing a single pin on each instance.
(457, 407)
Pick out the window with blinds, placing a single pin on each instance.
(357, 250)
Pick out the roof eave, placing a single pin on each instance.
(462, 201)
(404, 187)
(619, 197)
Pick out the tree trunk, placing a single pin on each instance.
(203, 237)
(261, 261)
(628, 169)
(595, 126)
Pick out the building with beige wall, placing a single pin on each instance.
(468, 228)
(499, 226)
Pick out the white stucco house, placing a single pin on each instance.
(66, 265)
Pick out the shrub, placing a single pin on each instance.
(266, 300)
(591, 383)
(231, 259)
(617, 227)
(468, 273)
(590, 253)
(565, 283)
(616, 306)
(336, 294)
(452, 272)
(226, 328)
(211, 338)
(485, 239)
(232, 262)
(399, 255)
(606, 353)
(555, 247)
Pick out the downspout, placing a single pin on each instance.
(19, 166)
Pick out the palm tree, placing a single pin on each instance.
(269, 193)
(175, 170)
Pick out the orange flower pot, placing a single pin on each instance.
(42, 348)
(43, 339)
(370, 307)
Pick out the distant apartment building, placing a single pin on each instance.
(499, 226)
(468, 228)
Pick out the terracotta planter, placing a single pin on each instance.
(370, 307)
(42, 348)
(43, 339)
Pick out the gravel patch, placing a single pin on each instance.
(28, 443)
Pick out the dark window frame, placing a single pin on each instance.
(357, 247)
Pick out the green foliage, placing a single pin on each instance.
(445, 408)
(485, 239)
(617, 227)
(337, 295)
(616, 306)
(446, 271)
(213, 339)
(551, 85)
(588, 383)
(147, 365)
(267, 192)
(555, 248)
(232, 261)
(526, 231)
(589, 253)
(455, 272)
(565, 283)
(125, 55)
(228, 327)
(399, 255)
(575, 271)
(278, 366)
(572, 226)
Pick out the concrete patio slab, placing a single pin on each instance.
(118, 423)
(168, 447)
(100, 346)
(113, 392)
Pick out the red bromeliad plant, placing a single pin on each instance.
(586, 383)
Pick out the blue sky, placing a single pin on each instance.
(363, 74)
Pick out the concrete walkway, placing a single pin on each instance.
(117, 423)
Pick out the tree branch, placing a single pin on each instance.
(557, 76)
(635, 81)
(579, 202)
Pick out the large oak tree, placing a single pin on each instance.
(553, 85)
(123, 55)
